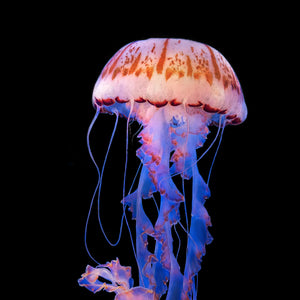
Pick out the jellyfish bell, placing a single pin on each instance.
(175, 89)
(171, 72)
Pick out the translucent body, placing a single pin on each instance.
(175, 89)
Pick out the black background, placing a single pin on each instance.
(69, 53)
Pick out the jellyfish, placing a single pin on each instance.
(176, 89)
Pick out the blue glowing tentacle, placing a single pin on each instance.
(166, 268)
(198, 236)
(99, 184)
(146, 189)
(143, 229)
(155, 155)
(161, 274)
(176, 278)
(96, 189)
(223, 127)
(113, 244)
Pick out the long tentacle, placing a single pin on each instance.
(199, 236)
(96, 189)
(220, 140)
(143, 229)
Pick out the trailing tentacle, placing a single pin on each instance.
(199, 236)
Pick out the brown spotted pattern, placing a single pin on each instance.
(158, 58)
(208, 64)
